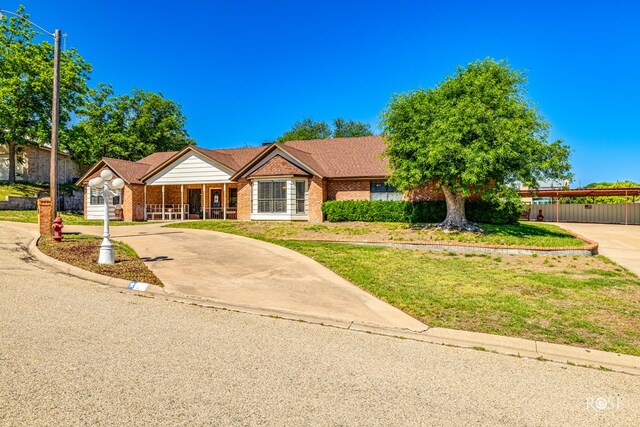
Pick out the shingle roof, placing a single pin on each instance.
(331, 158)
(233, 158)
(342, 157)
(278, 166)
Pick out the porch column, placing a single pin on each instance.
(224, 201)
(163, 202)
(182, 202)
(145, 202)
(204, 202)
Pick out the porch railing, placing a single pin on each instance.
(156, 212)
(218, 213)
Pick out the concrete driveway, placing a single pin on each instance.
(620, 243)
(246, 272)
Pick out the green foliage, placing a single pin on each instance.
(306, 129)
(418, 212)
(26, 85)
(127, 126)
(476, 132)
(350, 128)
(310, 129)
(604, 199)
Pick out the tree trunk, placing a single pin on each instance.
(456, 218)
(12, 161)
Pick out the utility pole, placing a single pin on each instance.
(55, 121)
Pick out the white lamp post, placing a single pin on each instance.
(106, 186)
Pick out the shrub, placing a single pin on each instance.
(418, 212)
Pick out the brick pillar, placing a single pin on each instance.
(244, 200)
(317, 195)
(44, 216)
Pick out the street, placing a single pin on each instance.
(78, 353)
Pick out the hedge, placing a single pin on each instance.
(418, 212)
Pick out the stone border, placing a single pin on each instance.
(590, 249)
(475, 340)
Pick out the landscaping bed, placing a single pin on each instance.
(82, 251)
(583, 301)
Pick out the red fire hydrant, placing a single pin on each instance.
(57, 229)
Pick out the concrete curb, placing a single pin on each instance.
(480, 341)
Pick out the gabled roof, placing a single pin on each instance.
(360, 157)
(279, 166)
(332, 158)
(345, 157)
(130, 172)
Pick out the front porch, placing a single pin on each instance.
(190, 201)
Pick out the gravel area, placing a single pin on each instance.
(79, 353)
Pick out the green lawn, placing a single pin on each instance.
(20, 189)
(29, 189)
(583, 301)
(525, 234)
(69, 218)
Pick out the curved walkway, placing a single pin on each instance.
(620, 243)
(246, 272)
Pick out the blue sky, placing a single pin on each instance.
(245, 71)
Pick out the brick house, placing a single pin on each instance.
(281, 181)
(33, 165)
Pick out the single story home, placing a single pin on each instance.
(33, 165)
(279, 181)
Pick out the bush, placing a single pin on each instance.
(418, 212)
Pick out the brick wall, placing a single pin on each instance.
(349, 190)
(133, 202)
(37, 162)
(244, 200)
(317, 195)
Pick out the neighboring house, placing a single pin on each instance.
(280, 181)
(33, 165)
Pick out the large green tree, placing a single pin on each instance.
(311, 129)
(26, 86)
(474, 133)
(129, 126)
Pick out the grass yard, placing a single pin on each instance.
(525, 234)
(82, 251)
(69, 218)
(583, 301)
(29, 189)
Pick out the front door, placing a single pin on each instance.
(216, 204)
(195, 200)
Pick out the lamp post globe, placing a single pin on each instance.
(107, 186)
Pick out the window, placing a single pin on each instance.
(272, 196)
(300, 190)
(96, 199)
(233, 197)
(380, 190)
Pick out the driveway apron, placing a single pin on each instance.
(247, 272)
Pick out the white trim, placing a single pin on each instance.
(176, 173)
(274, 153)
(290, 214)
